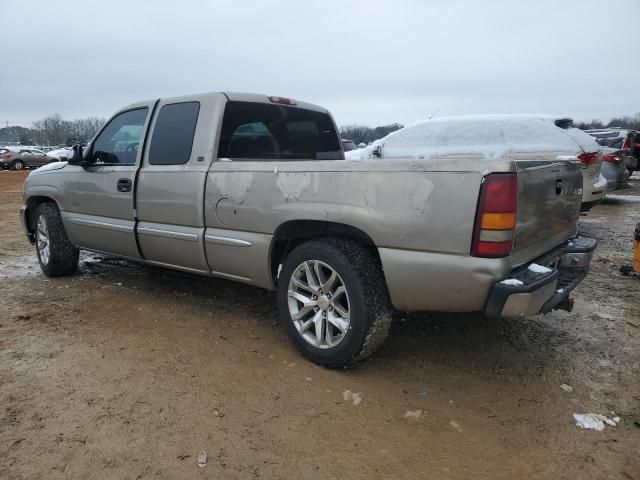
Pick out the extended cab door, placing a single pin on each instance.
(100, 214)
(171, 182)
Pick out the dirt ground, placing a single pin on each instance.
(124, 371)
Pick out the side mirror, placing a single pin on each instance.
(75, 158)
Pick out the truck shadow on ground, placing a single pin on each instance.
(468, 342)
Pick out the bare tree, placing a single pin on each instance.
(364, 134)
(54, 130)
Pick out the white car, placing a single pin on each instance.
(594, 183)
(60, 153)
(488, 135)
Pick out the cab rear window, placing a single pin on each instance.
(276, 132)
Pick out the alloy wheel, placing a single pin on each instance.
(42, 240)
(319, 304)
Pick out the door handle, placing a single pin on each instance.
(124, 185)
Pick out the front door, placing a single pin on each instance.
(100, 213)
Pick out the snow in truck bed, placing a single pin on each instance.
(490, 136)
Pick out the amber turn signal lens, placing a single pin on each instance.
(498, 221)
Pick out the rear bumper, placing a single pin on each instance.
(594, 190)
(530, 290)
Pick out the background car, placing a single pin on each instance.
(624, 141)
(19, 158)
(614, 169)
(530, 132)
(594, 183)
(348, 145)
(59, 153)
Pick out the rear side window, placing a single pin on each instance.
(277, 132)
(172, 138)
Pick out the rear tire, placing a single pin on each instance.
(319, 304)
(56, 254)
(18, 165)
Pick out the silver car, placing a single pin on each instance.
(618, 145)
(19, 158)
(614, 168)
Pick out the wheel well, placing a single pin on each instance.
(30, 213)
(291, 234)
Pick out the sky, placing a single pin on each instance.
(370, 62)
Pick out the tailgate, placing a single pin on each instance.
(549, 196)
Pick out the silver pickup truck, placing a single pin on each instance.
(256, 189)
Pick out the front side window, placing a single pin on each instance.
(118, 143)
(276, 132)
(173, 133)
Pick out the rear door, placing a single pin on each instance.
(171, 182)
(100, 213)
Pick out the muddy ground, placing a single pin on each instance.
(125, 371)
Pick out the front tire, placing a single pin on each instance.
(334, 302)
(56, 254)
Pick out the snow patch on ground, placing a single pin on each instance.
(594, 421)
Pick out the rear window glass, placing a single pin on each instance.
(276, 132)
(348, 145)
(609, 141)
(172, 138)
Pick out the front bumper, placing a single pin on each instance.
(529, 289)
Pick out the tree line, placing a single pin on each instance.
(54, 130)
(363, 134)
(626, 121)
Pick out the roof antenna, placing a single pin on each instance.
(433, 114)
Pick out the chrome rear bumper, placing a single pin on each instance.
(544, 284)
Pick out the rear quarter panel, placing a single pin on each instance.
(398, 205)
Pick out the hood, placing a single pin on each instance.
(49, 167)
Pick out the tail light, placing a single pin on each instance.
(587, 159)
(612, 158)
(7, 155)
(282, 100)
(496, 216)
